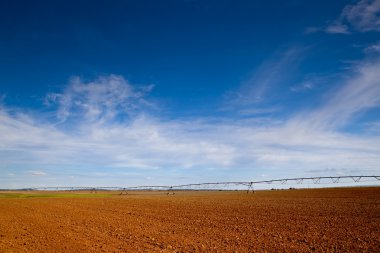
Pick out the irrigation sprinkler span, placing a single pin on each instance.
(249, 186)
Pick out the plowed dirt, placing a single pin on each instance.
(328, 220)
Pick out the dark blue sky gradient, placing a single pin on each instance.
(194, 51)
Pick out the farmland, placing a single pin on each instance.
(336, 219)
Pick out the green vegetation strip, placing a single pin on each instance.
(53, 195)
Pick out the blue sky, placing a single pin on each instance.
(122, 93)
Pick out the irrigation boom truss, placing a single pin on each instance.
(226, 185)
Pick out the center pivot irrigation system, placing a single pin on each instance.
(248, 186)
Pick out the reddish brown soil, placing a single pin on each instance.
(328, 220)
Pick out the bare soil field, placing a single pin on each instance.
(320, 220)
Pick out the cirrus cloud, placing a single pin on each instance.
(364, 16)
(100, 148)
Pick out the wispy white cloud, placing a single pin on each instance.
(305, 86)
(257, 111)
(364, 16)
(359, 93)
(373, 127)
(104, 99)
(36, 173)
(187, 146)
(274, 72)
(337, 27)
(314, 82)
(222, 148)
(373, 49)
